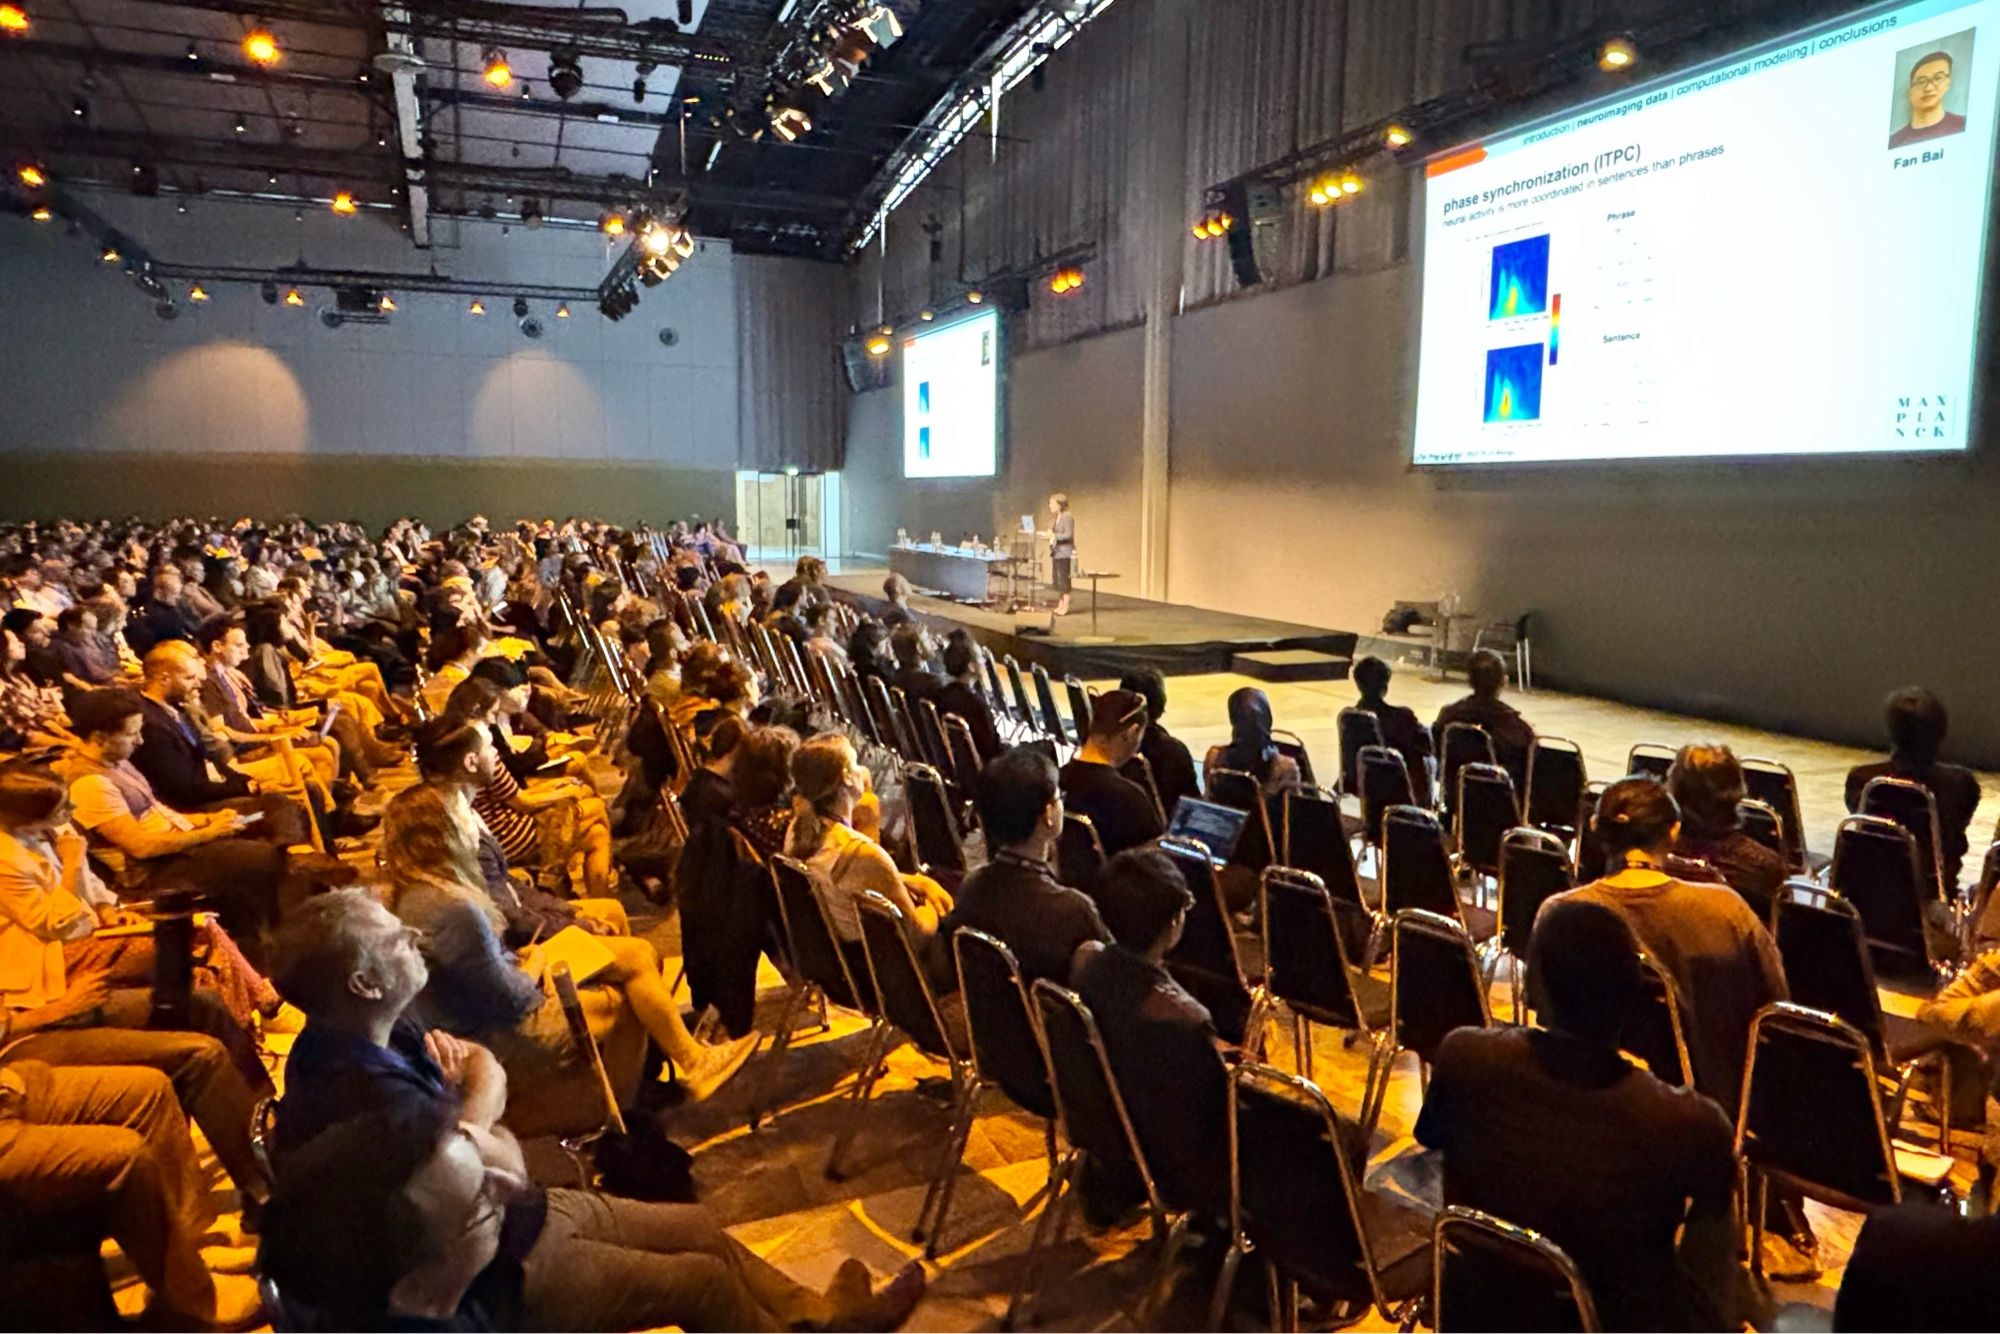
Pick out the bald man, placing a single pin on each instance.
(172, 757)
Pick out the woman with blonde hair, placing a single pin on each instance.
(480, 989)
(832, 796)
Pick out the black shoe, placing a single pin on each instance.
(350, 823)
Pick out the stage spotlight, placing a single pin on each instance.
(343, 204)
(926, 314)
(41, 213)
(241, 126)
(1320, 196)
(531, 213)
(269, 291)
(387, 305)
(193, 54)
(110, 255)
(261, 46)
(32, 175)
(655, 239)
(497, 73)
(80, 109)
(878, 345)
(562, 311)
(477, 307)
(612, 223)
(13, 19)
(974, 297)
(565, 75)
(520, 308)
(1396, 136)
(197, 293)
(1350, 184)
(293, 297)
(1617, 54)
(789, 123)
(1065, 280)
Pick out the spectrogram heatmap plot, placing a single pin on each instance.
(1514, 383)
(1520, 279)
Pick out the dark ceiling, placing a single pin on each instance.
(157, 95)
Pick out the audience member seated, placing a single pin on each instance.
(110, 1143)
(864, 651)
(373, 1098)
(913, 675)
(1550, 1128)
(961, 694)
(1719, 958)
(479, 989)
(820, 625)
(1920, 1268)
(1092, 786)
(1917, 724)
(1172, 765)
(1401, 731)
(1163, 1045)
(1250, 748)
(1967, 1010)
(527, 745)
(1707, 783)
(85, 657)
(829, 785)
(453, 653)
(1015, 897)
(165, 615)
(1486, 673)
(149, 846)
(31, 714)
(228, 697)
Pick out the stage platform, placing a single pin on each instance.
(1130, 632)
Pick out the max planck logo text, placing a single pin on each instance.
(1922, 416)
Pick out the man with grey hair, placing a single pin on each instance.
(579, 1260)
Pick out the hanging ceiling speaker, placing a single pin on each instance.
(668, 337)
(531, 326)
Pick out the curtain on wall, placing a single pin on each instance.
(1265, 77)
(792, 393)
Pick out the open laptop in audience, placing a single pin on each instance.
(1216, 827)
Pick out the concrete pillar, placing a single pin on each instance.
(1163, 212)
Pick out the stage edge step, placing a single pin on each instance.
(1291, 664)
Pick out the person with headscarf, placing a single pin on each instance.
(1251, 749)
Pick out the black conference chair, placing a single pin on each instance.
(1292, 745)
(1650, 759)
(963, 749)
(1912, 806)
(1876, 867)
(1024, 712)
(1766, 826)
(1435, 987)
(821, 966)
(1487, 1274)
(1484, 809)
(1416, 871)
(1297, 1202)
(1461, 744)
(1205, 959)
(1306, 968)
(1045, 698)
(1355, 728)
(1079, 852)
(939, 849)
(1140, 770)
(1556, 780)
(1534, 868)
(1385, 782)
(1315, 839)
(1097, 1125)
(930, 735)
(1653, 1031)
(1079, 708)
(1773, 784)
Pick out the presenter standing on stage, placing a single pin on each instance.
(1062, 549)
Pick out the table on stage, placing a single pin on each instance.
(961, 572)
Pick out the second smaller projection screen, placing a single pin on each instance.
(951, 399)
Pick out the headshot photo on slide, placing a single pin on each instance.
(1933, 85)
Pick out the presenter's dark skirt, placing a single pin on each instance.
(1060, 572)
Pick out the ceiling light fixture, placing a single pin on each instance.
(293, 297)
(1396, 136)
(14, 19)
(197, 293)
(565, 74)
(974, 297)
(269, 291)
(343, 204)
(477, 307)
(261, 46)
(110, 255)
(878, 345)
(498, 73)
(387, 304)
(32, 175)
(562, 311)
(1617, 54)
(242, 126)
(612, 223)
(41, 213)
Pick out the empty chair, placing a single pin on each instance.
(1306, 966)
(1290, 743)
(1461, 744)
(1650, 759)
(1912, 806)
(1812, 1119)
(909, 1007)
(1079, 852)
(1435, 987)
(1355, 728)
(1534, 868)
(1654, 1032)
(1483, 810)
(938, 847)
(1024, 712)
(1556, 780)
(1097, 1125)
(1205, 960)
(1876, 868)
(1773, 784)
(1416, 871)
(1045, 698)
(1487, 1274)
(1296, 1198)
(1079, 707)
(1385, 782)
(1314, 839)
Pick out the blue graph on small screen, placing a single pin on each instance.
(1520, 279)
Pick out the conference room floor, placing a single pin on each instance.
(770, 1186)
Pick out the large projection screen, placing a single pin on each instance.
(951, 399)
(1779, 253)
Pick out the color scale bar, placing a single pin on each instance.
(1555, 326)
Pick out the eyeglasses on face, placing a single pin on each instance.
(1931, 80)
